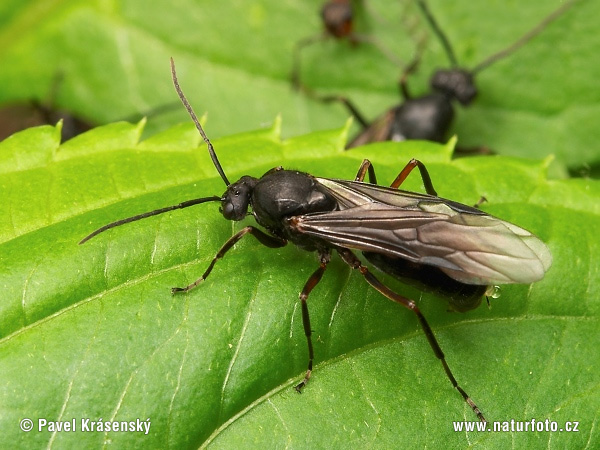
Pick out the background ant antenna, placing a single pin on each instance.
(188, 107)
(524, 39)
(438, 31)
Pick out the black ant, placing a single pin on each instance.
(429, 116)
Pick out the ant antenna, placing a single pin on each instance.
(438, 31)
(211, 150)
(181, 205)
(524, 39)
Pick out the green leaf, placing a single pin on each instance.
(92, 331)
(236, 61)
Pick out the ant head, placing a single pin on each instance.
(456, 83)
(337, 18)
(236, 199)
(459, 84)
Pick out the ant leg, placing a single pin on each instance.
(365, 166)
(481, 200)
(330, 99)
(263, 238)
(424, 176)
(348, 104)
(300, 45)
(350, 259)
(308, 287)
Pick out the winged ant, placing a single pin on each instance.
(454, 249)
(430, 116)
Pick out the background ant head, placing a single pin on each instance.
(337, 18)
(456, 83)
(459, 83)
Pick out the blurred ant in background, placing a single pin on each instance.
(430, 116)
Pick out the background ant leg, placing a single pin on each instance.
(301, 45)
(364, 123)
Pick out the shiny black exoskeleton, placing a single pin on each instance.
(276, 196)
(429, 117)
(281, 194)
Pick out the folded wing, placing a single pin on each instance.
(468, 245)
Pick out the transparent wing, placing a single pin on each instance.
(470, 246)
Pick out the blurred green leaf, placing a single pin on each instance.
(238, 56)
(92, 331)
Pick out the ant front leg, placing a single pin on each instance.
(308, 287)
(263, 238)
